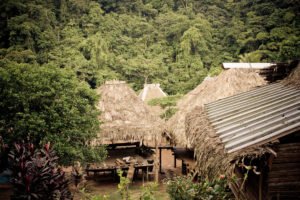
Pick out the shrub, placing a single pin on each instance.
(123, 186)
(183, 188)
(36, 175)
(147, 191)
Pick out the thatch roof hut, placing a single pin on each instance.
(124, 115)
(152, 91)
(271, 72)
(228, 83)
(259, 128)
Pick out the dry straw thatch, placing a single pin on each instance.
(124, 115)
(211, 156)
(294, 78)
(151, 91)
(209, 151)
(228, 83)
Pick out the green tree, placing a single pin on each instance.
(168, 104)
(49, 104)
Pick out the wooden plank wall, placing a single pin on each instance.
(250, 189)
(284, 176)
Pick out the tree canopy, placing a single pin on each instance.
(174, 42)
(50, 49)
(48, 104)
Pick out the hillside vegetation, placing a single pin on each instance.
(174, 42)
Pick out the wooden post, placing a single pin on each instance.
(147, 175)
(260, 186)
(174, 160)
(156, 160)
(160, 160)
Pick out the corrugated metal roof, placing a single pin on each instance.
(247, 65)
(255, 117)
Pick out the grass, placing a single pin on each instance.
(135, 192)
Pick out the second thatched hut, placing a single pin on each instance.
(254, 136)
(228, 83)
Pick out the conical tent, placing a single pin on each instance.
(124, 115)
(228, 83)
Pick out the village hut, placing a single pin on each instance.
(152, 91)
(228, 83)
(254, 136)
(271, 72)
(124, 115)
(126, 119)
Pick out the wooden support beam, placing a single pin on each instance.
(160, 161)
(156, 160)
(182, 167)
(112, 146)
(161, 147)
(260, 186)
(174, 160)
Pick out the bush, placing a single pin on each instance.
(49, 104)
(36, 175)
(148, 191)
(183, 188)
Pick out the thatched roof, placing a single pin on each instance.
(228, 83)
(124, 115)
(152, 91)
(294, 78)
(247, 65)
(209, 151)
(253, 120)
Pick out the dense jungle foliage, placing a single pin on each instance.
(51, 49)
(176, 43)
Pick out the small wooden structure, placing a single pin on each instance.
(255, 133)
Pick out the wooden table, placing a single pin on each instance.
(146, 169)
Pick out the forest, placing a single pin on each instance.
(176, 43)
(55, 53)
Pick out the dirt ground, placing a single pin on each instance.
(106, 185)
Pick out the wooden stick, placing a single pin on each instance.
(156, 160)
(260, 186)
